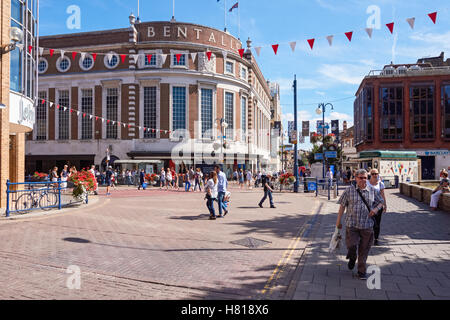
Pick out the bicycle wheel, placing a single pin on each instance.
(48, 200)
(24, 203)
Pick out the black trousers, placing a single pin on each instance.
(377, 224)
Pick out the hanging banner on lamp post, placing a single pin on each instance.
(335, 129)
(305, 128)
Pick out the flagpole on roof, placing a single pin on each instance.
(239, 21)
(225, 15)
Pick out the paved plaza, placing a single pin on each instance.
(156, 244)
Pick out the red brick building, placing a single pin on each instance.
(177, 91)
(407, 107)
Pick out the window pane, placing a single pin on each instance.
(206, 111)
(41, 117)
(112, 106)
(182, 60)
(244, 117)
(64, 116)
(229, 107)
(16, 70)
(179, 108)
(150, 111)
(86, 108)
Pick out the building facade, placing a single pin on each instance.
(18, 88)
(177, 92)
(407, 107)
(349, 152)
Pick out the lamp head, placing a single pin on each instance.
(318, 110)
(16, 34)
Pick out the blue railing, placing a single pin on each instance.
(23, 197)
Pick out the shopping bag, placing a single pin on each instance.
(335, 240)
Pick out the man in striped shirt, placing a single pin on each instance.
(359, 220)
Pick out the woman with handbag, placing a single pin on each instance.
(376, 183)
(211, 189)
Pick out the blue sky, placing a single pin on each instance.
(324, 74)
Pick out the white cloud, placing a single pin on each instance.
(346, 73)
(287, 117)
(302, 84)
(340, 116)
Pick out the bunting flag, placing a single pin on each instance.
(96, 118)
(129, 126)
(122, 57)
(349, 35)
(74, 54)
(224, 54)
(194, 55)
(411, 22)
(149, 58)
(433, 16)
(311, 43)
(208, 54)
(51, 104)
(64, 108)
(62, 53)
(94, 56)
(52, 51)
(390, 27)
(292, 45)
(107, 121)
(369, 32)
(20, 46)
(78, 113)
(84, 115)
(103, 120)
(41, 51)
(163, 58)
(135, 58)
(30, 48)
(90, 116)
(57, 106)
(109, 57)
(43, 101)
(330, 40)
(82, 56)
(258, 50)
(275, 48)
(124, 125)
(241, 53)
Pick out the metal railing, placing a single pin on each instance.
(23, 197)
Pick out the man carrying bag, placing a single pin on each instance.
(363, 203)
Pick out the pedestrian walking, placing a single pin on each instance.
(268, 189)
(108, 177)
(197, 179)
(222, 189)
(191, 174)
(128, 174)
(363, 203)
(141, 179)
(376, 183)
(241, 179)
(329, 177)
(92, 171)
(249, 179)
(54, 177)
(235, 176)
(211, 189)
(162, 179)
(442, 188)
(64, 177)
(168, 179)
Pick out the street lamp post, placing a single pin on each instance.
(296, 137)
(322, 109)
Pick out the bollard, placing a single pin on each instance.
(59, 194)
(7, 198)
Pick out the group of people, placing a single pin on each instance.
(443, 187)
(216, 191)
(65, 174)
(189, 179)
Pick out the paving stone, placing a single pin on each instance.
(440, 291)
(416, 289)
(340, 291)
(402, 296)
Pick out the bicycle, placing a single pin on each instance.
(45, 200)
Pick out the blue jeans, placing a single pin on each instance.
(210, 205)
(187, 186)
(197, 183)
(267, 193)
(220, 201)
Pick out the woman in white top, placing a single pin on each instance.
(442, 188)
(211, 194)
(377, 184)
(168, 179)
(162, 179)
(249, 179)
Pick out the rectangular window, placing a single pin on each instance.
(367, 113)
(244, 73)
(244, 118)
(86, 108)
(229, 109)
(41, 117)
(112, 110)
(207, 112)
(63, 116)
(446, 111)
(422, 112)
(229, 67)
(152, 61)
(391, 113)
(182, 61)
(178, 108)
(150, 111)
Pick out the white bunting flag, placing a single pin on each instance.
(330, 40)
(224, 54)
(103, 120)
(369, 32)
(41, 51)
(165, 131)
(109, 56)
(163, 57)
(51, 104)
(124, 125)
(78, 113)
(135, 57)
(140, 128)
(20, 46)
(411, 22)
(90, 116)
(292, 44)
(193, 56)
(83, 55)
(62, 53)
(65, 108)
(258, 50)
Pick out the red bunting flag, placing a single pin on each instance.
(52, 51)
(30, 48)
(349, 35)
(149, 58)
(311, 43)
(390, 27)
(74, 54)
(208, 54)
(129, 126)
(275, 48)
(57, 107)
(153, 130)
(178, 56)
(108, 121)
(94, 56)
(84, 115)
(71, 110)
(118, 123)
(433, 16)
(123, 56)
(96, 118)
(43, 101)
(241, 52)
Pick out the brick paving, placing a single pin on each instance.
(156, 244)
(413, 256)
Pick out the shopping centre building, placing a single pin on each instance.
(18, 87)
(179, 93)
